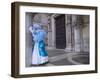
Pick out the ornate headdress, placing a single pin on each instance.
(37, 26)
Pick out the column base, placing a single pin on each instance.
(69, 49)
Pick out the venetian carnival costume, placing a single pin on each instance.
(39, 54)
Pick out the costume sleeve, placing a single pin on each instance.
(32, 30)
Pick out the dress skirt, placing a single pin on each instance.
(39, 54)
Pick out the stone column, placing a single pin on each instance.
(68, 33)
(53, 31)
(28, 39)
(77, 33)
(77, 40)
(85, 33)
(49, 36)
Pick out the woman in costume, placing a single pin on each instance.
(39, 54)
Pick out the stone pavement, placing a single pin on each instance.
(61, 57)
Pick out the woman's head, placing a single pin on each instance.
(37, 26)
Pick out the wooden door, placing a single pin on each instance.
(60, 32)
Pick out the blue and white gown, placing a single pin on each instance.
(39, 54)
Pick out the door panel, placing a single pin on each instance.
(60, 32)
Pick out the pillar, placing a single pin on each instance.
(51, 35)
(77, 33)
(68, 33)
